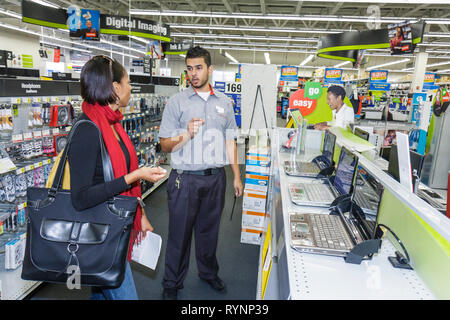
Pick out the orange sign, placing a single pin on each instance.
(304, 104)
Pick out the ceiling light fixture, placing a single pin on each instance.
(46, 3)
(267, 57)
(342, 64)
(307, 59)
(240, 37)
(388, 64)
(229, 56)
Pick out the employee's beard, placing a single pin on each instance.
(201, 85)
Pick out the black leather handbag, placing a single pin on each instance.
(58, 236)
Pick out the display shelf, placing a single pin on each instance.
(314, 276)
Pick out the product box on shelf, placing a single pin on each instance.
(253, 219)
(256, 182)
(254, 200)
(251, 235)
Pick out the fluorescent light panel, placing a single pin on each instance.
(307, 59)
(342, 64)
(229, 56)
(240, 37)
(46, 3)
(388, 64)
(267, 57)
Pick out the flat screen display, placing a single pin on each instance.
(345, 171)
(328, 146)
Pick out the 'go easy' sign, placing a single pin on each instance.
(298, 100)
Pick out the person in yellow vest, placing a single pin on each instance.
(343, 115)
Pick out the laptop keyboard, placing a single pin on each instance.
(301, 167)
(329, 233)
(319, 193)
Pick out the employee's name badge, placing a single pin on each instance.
(220, 109)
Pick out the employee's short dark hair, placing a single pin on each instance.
(337, 91)
(199, 52)
(97, 77)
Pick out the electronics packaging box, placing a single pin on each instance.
(251, 235)
(254, 201)
(253, 219)
(257, 160)
(264, 171)
(255, 182)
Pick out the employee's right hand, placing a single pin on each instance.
(152, 174)
(194, 125)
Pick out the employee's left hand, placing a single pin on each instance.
(237, 184)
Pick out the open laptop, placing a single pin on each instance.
(334, 235)
(362, 133)
(323, 194)
(367, 192)
(417, 159)
(313, 168)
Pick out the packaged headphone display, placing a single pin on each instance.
(61, 115)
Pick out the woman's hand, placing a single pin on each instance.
(145, 173)
(145, 224)
(152, 174)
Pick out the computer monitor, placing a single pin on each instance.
(416, 163)
(328, 146)
(345, 172)
(362, 134)
(385, 153)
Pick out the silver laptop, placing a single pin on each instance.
(323, 194)
(334, 235)
(313, 168)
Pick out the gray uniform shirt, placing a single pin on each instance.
(207, 149)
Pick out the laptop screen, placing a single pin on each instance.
(367, 196)
(362, 134)
(415, 158)
(345, 171)
(328, 146)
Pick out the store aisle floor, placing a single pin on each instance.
(238, 262)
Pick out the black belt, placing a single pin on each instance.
(206, 172)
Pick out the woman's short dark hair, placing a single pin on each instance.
(337, 91)
(199, 52)
(97, 77)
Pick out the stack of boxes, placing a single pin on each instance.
(257, 173)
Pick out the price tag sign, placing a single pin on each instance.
(55, 131)
(46, 133)
(37, 134)
(17, 138)
(233, 87)
(313, 90)
(304, 104)
(28, 136)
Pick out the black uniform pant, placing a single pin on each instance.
(196, 205)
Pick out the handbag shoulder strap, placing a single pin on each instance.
(106, 161)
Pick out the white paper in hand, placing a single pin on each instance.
(147, 252)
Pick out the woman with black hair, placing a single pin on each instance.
(105, 86)
(343, 115)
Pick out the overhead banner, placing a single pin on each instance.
(175, 48)
(345, 46)
(83, 23)
(378, 80)
(400, 38)
(333, 75)
(289, 73)
(109, 24)
(122, 25)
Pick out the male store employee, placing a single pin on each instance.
(343, 115)
(198, 127)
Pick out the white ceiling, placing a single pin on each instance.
(228, 24)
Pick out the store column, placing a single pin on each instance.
(420, 67)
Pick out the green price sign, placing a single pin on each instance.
(313, 90)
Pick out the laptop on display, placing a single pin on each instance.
(334, 235)
(362, 134)
(367, 192)
(313, 168)
(323, 194)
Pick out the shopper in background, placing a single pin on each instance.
(105, 86)
(198, 127)
(343, 115)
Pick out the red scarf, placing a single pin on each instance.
(104, 117)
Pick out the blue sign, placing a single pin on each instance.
(333, 75)
(236, 100)
(379, 86)
(378, 76)
(289, 73)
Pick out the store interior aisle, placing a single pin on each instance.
(238, 262)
